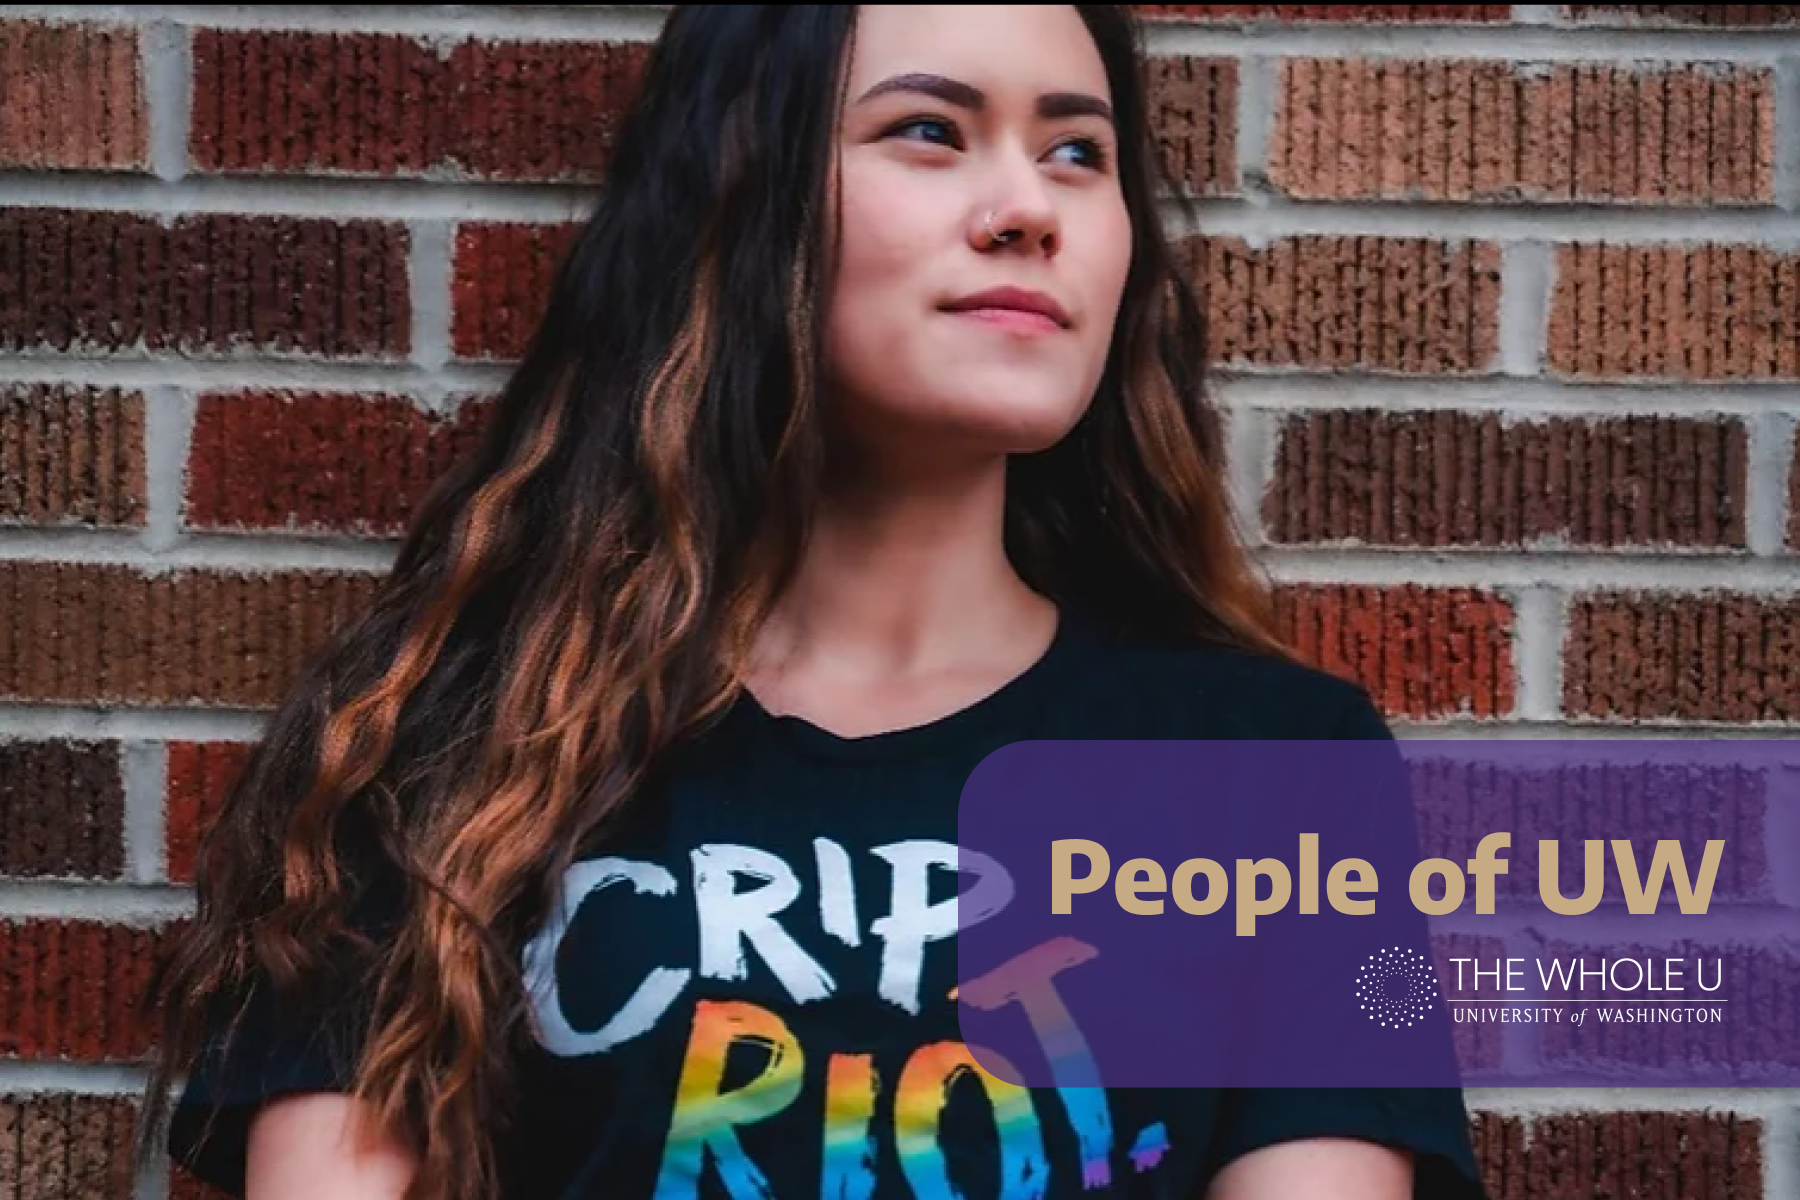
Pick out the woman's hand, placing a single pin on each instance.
(304, 1145)
(1317, 1168)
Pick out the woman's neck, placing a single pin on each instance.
(907, 582)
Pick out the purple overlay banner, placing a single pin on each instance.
(1382, 914)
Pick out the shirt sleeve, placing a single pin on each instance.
(1431, 1122)
(274, 1050)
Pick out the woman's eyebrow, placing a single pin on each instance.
(1050, 106)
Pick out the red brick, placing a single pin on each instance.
(1712, 1153)
(502, 282)
(1745, 16)
(71, 456)
(1392, 129)
(278, 101)
(1421, 652)
(1701, 656)
(546, 110)
(77, 633)
(1390, 305)
(62, 810)
(200, 776)
(1444, 14)
(72, 989)
(1193, 110)
(71, 98)
(204, 284)
(1712, 312)
(319, 462)
(59, 1146)
(1448, 478)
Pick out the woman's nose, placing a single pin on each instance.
(1020, 211)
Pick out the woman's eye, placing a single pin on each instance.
(937, 131)
(1092, 153)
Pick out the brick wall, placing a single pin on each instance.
(1505, 301)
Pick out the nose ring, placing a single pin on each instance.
(998, 239)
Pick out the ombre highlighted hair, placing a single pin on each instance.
(579, 596)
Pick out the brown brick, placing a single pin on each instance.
(72, 989)
(1391, 305)
(71, 98)
(1392, 129)
(82, 633)
(502, 282)
(71, 456)
(1690, 656)
(1448, 478)
(1193, 109)
(200, 776)
(1727, 16)
(1421, 652)
(1794, 498)
(1441, 14)
(1614, 1154)
(206, 284)
(319, 462)
(277, 101)
(62, 810)
(1715, 312)
(60, 1146)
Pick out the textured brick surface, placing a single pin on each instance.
(71, 456)
(1421, 652)
(75, 633)
(1472, 479)
(1746, 16)
(1794, 498)
(1432, 13)
(1714, 1154)
(391, 105)
(1725, 312)
(57, 1146)
(71, 989)
(1698, 657)
(502, 281)
(62, 809)
(318, 462)
(1462, 799)
(1756, 996)
(200, 774)
(1482, 1045)
(1450, 130)
(1193, 109)
(1396, 305)
(71, 98)
(206, 284)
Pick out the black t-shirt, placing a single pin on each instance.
(746, 993)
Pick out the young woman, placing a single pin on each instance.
(863, 436)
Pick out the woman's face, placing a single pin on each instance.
(953, 114)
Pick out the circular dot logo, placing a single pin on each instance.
(1396, 987)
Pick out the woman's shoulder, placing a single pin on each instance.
(1211, 689)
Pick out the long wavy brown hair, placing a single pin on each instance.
(579, 595)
